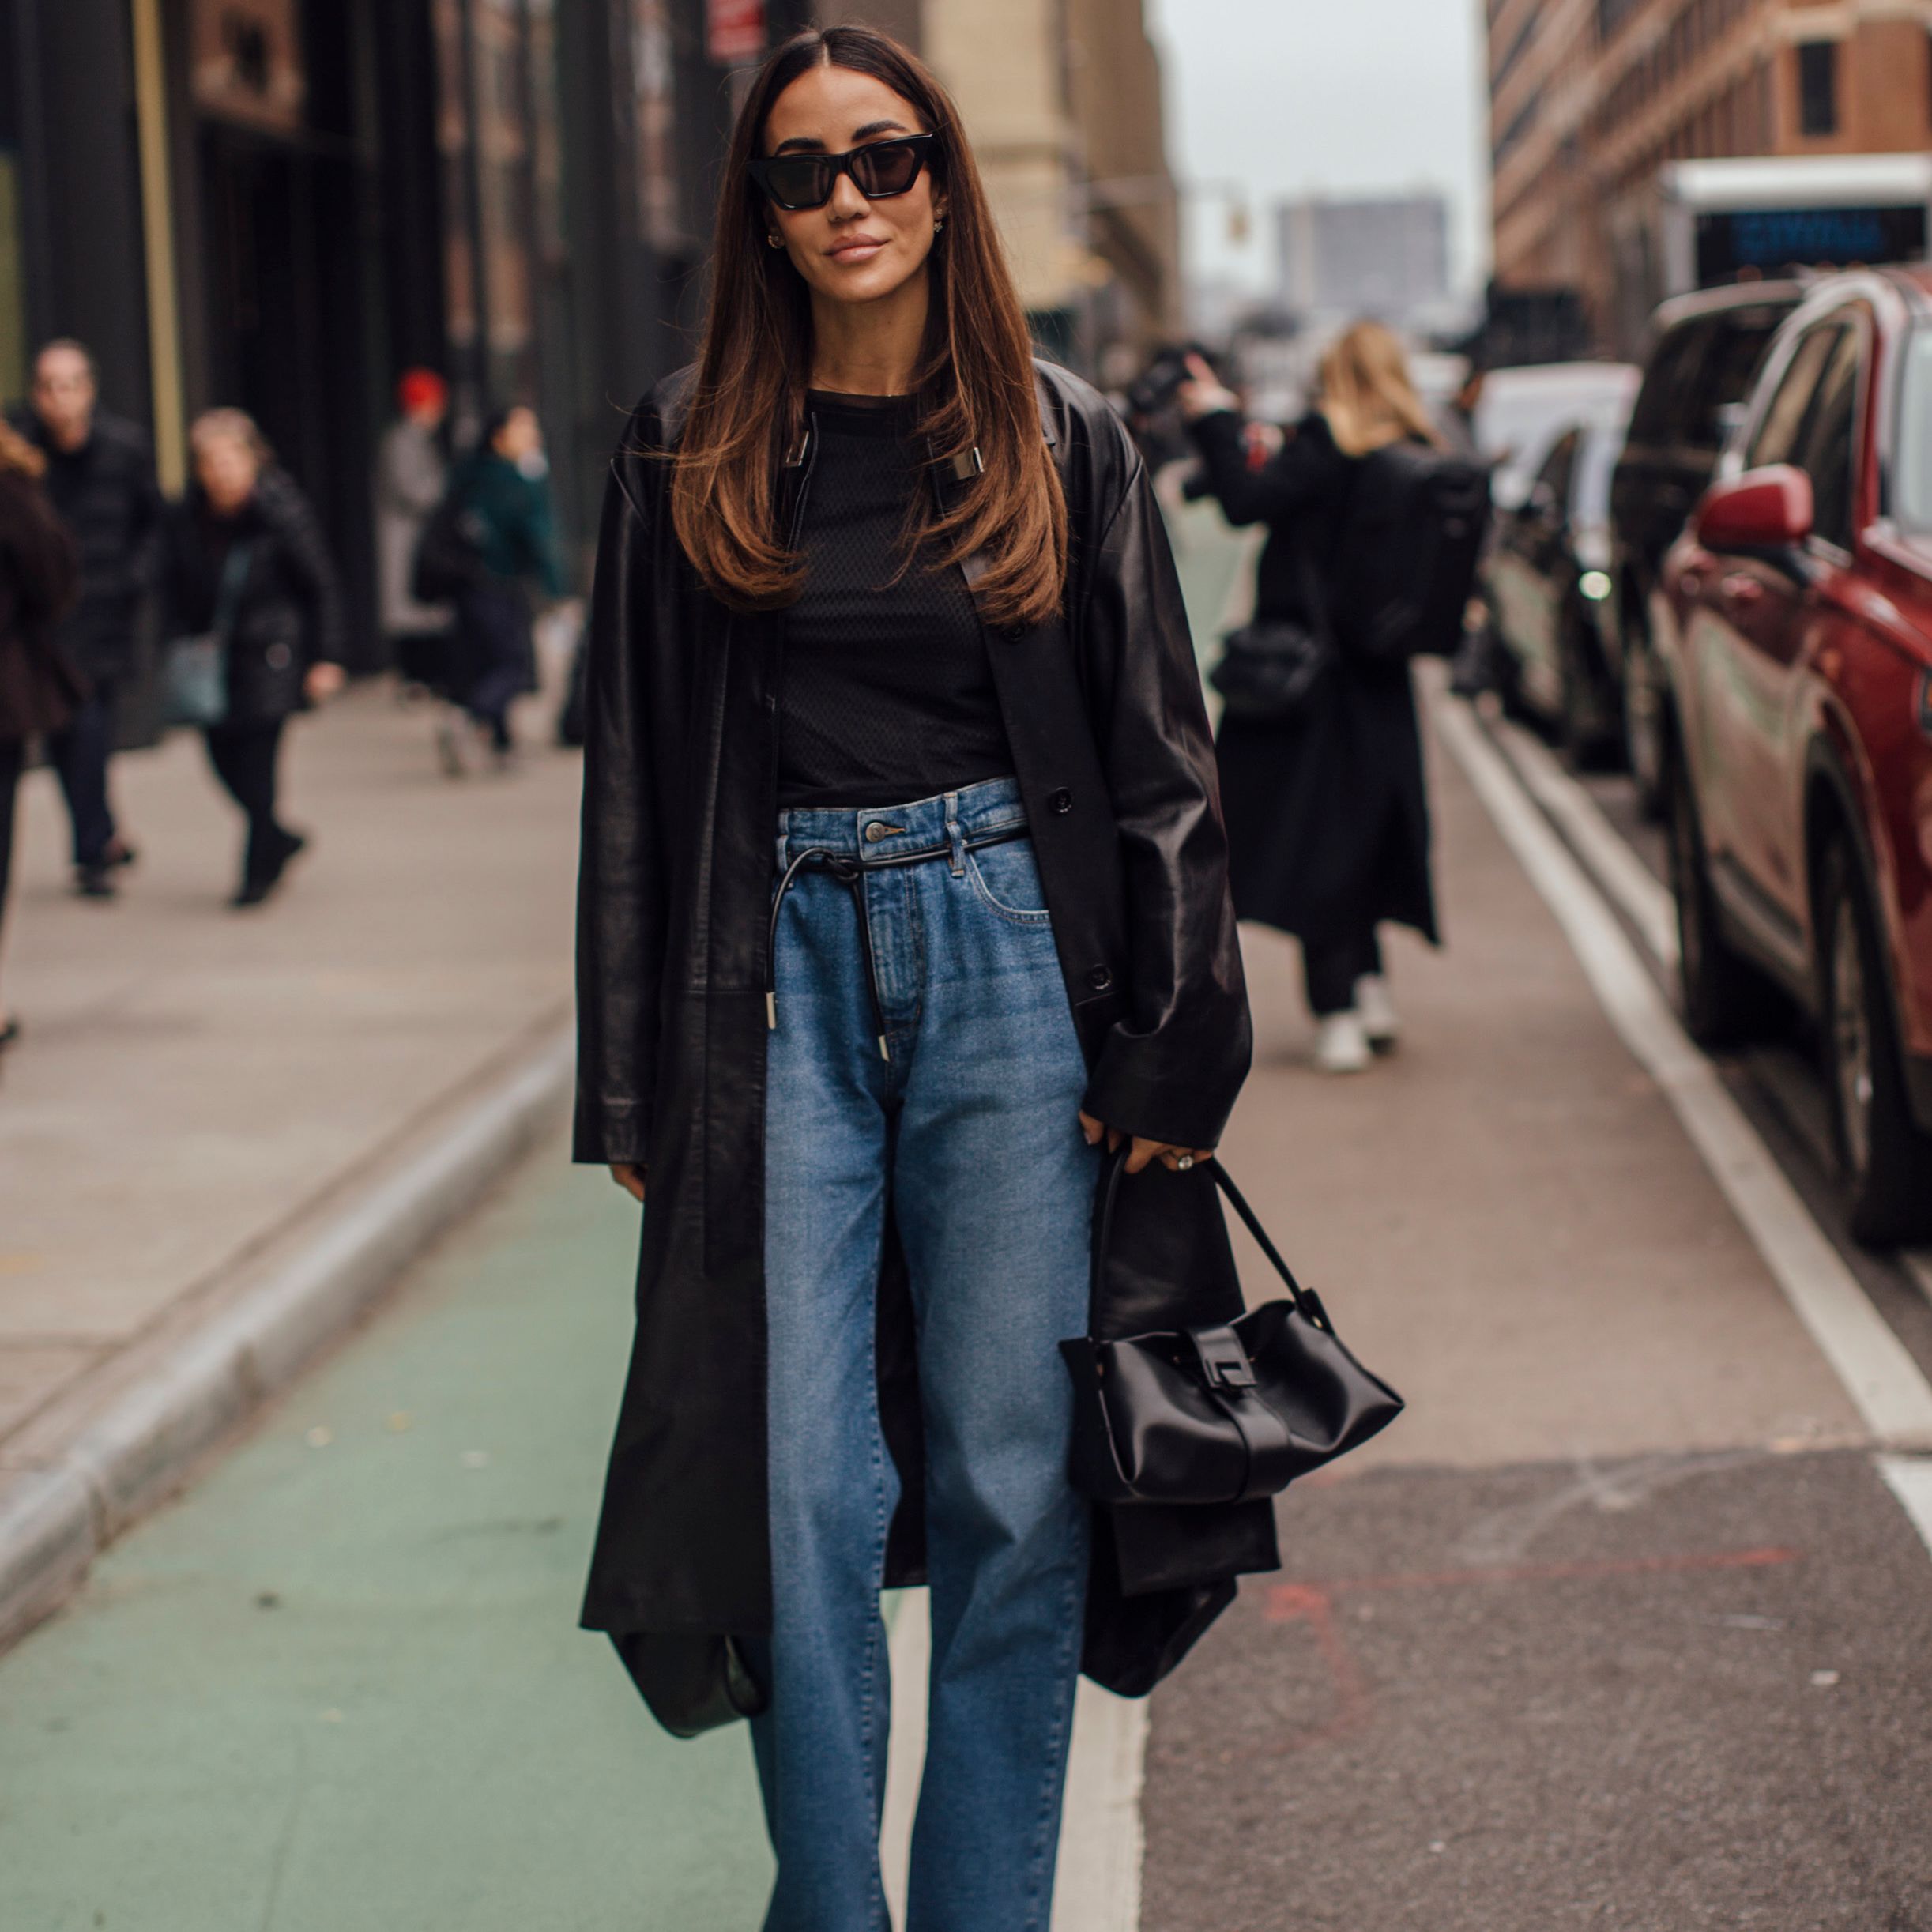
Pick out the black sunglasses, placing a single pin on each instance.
(887, 168)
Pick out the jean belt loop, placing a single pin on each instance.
(955, 839)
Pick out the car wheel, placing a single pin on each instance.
(1726, 1000)
(1643, 725)
(1884, 1162)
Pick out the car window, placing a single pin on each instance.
(1555, 474)
(1825, 452)
(1590, 487)
(1911, 475)
(1724, 377)
(1674, 367)
(1776, 436)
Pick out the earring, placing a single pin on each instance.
(939, 224)
(774, 241)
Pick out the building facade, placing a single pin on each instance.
(1591, 100)
(1387, 256)
(282, 203)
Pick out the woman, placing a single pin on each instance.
(505, 500)
(411, 473)
(246, 558)
(1328, 809)
(903, 886)
(39, 690)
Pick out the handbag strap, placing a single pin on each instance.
(1304, 1300)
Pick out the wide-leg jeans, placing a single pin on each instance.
(965, 1119)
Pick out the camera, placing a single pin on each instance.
(1152, 389)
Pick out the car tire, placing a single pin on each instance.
(1726, 1000)
(1885, 1163)
(1645, 745)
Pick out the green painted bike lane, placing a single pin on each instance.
(338, 1687)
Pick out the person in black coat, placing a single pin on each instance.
(1327, 807)
(245, 556)
(100, 482)
(40, 688)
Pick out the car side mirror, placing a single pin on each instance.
(1768, 509)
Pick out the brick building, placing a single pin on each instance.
(1591, 100)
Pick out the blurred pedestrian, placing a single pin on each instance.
(502, 493)
(411, 475)
(864, 979)
(246, 562)
(40, 689)
(100, 481)
(1326, 805)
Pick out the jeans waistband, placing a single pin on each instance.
(881, 832)
(848, 843)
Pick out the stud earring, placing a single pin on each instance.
(939, 224)
(774, 241)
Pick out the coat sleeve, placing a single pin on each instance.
(1294, 478)
(307, 552)
(621, 888)
(1169, 1069)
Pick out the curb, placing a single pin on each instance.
(56, 1519)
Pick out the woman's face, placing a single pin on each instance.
(519, 437)
(852, 250)
(227, 469)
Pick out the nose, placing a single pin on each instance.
(847, 203)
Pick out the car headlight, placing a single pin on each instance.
(1595, 585)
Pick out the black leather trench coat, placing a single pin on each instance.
(1103, 709)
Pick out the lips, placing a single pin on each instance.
(857, 248)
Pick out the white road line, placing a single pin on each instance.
(1910, 1479)
(1098, 1889)
(1880, 1377)
(1644, 900)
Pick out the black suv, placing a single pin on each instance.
(1705, 348)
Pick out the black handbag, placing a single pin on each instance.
(1268, 669)
(1219, 1415)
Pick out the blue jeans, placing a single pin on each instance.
(970, 1127)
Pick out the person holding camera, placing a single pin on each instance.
(1321, 776)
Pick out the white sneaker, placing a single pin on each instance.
(1341, 1046)
(1376, 1011)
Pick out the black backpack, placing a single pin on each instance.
(449, 554)
(1407, 553)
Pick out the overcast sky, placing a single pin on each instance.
(1291, 96)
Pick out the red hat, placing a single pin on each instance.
(421, 389)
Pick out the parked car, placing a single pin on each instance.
(1547, 580)
(1521, 411)
(1793, 625)
(1705, 350)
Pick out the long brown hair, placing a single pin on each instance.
(1366, 394)
(975, 379)
(16, 453)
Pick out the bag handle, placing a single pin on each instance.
(1304, 1300)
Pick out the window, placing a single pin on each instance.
(1725, 378)
(1779, 429)
(1672, 368)
(1825, 452)
(1912, 475)
(1817, 87)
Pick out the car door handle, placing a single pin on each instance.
(1741, 589)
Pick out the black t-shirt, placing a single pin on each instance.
(887, 695)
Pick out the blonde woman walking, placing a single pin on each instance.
(1327, 812)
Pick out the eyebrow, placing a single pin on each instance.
(807, 143)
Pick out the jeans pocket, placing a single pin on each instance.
(1006, 881)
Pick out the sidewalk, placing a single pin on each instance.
(197, 1090)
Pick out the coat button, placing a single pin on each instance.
(1100, 978)
(1061, 800)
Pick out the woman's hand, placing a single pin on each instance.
(1166, 1152)
(322, 682)
(1202, 395)
(629, 1175)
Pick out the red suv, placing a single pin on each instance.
(1793, 621)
